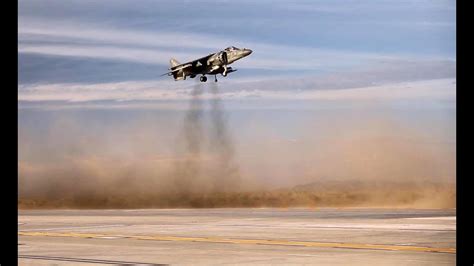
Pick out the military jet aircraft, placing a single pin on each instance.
(211, 64)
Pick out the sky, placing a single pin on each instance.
(331, 87)
(107, 43)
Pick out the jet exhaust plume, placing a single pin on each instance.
(226, 172)
(188, 170)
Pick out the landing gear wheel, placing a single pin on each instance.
(203, 78)
(215, 78)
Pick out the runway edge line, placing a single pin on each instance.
(245, 241)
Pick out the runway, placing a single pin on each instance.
(238, 236)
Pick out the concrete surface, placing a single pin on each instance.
(238, 236)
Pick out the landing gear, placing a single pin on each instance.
(224, 73)
(215, 78)
(203, 78)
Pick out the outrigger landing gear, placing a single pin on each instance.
(224, 73)
(215, 78)
(203, 78)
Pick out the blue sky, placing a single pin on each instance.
(105, 42)
(393, 27)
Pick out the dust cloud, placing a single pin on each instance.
(197, 160)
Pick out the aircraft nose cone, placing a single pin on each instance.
(245, 52)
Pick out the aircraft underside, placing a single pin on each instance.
(181, 75)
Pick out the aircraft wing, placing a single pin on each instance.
(177, 68)
(189, 65)
(201, 61)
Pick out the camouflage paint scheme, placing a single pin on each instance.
(212, 64)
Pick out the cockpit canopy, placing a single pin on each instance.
(231, 48)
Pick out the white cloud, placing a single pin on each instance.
(91, 41)
(150, 90)
(116, 53)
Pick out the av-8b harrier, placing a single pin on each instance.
(212, 64)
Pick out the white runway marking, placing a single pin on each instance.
(110, 237)
(347, 226)
(449, 218)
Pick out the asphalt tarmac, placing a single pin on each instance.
(237, 236)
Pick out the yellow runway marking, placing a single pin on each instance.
(248, 241)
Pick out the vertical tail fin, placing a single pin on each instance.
(174, 62)
(177, 75)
